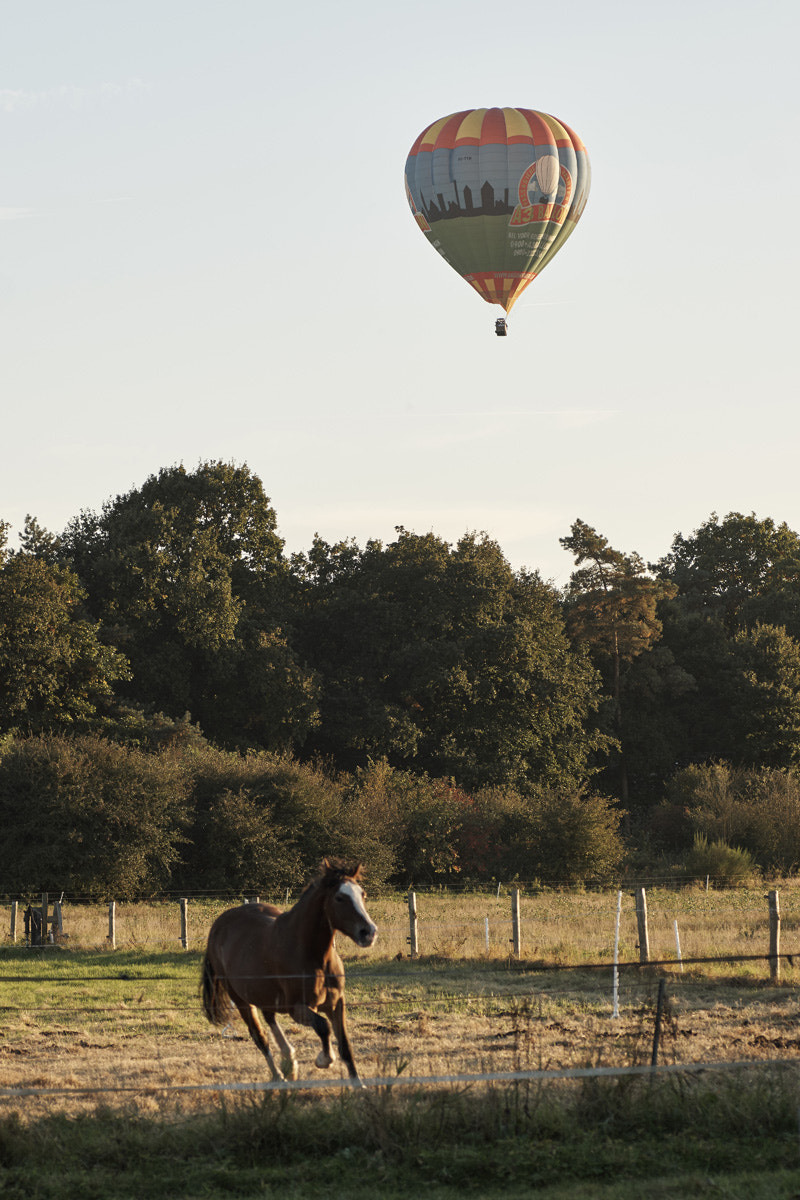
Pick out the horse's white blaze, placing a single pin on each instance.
(356, 896)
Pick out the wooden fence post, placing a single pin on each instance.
(45, 905)
(774, 938)
(14, 911)
(641, 918)
(412, 922)
(112, 924)
(185, 924)
(516, 936)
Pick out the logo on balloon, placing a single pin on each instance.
(547, 173)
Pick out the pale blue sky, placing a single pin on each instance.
(206, 252)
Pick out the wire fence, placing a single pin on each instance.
(544, 969)
(449, 885)
(405, 1081)
(436, 922)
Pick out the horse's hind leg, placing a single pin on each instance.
(250, 1019)
(288, 1059)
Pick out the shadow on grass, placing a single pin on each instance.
(604, 1138)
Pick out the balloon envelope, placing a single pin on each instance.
(497, 191)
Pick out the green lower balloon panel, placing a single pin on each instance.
(497, 256)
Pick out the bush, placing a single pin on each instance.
(413, 822)
(578, 837)
(553, 835)
(92, 817)
(756, 808)
(442, 834)
(242, 847)
(86, 816)
(264, 822)
(727, 866)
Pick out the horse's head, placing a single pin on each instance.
(345, 902)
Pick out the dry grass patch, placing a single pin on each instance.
(144, 1032)
(82, 1016)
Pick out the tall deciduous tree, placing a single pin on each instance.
(736, 570)
(734, 625)
(766, 697)
(188, 577)
(55, 672)
(443, 659)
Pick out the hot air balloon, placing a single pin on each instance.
(497, 191)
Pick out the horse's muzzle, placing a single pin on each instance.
(367, 935)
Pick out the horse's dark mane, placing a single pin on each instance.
(334, 871)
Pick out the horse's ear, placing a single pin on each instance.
(331, 871)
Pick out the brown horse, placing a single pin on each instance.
(286, 962)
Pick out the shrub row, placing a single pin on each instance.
(93, 817)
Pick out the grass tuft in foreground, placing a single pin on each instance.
(604, 1138)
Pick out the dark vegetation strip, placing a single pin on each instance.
(527, 1137)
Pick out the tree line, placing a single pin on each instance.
(171, 627)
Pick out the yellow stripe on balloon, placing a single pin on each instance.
(516, 125)
(470, 127)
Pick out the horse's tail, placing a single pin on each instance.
(216, 1002)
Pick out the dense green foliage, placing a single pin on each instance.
(95, 817)
(187, 578)
(699, 656)
(172, 621)
(757, 810)
(442, 659)
(55, 671)
(88, 816)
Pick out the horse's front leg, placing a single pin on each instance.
(339, 1023)
(307, 1016)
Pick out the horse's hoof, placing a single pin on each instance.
(323, 1060)
(289, 1067)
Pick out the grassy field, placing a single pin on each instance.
(81, 1016)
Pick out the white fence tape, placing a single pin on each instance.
(299, 1085)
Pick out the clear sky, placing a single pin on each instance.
(206, 253)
